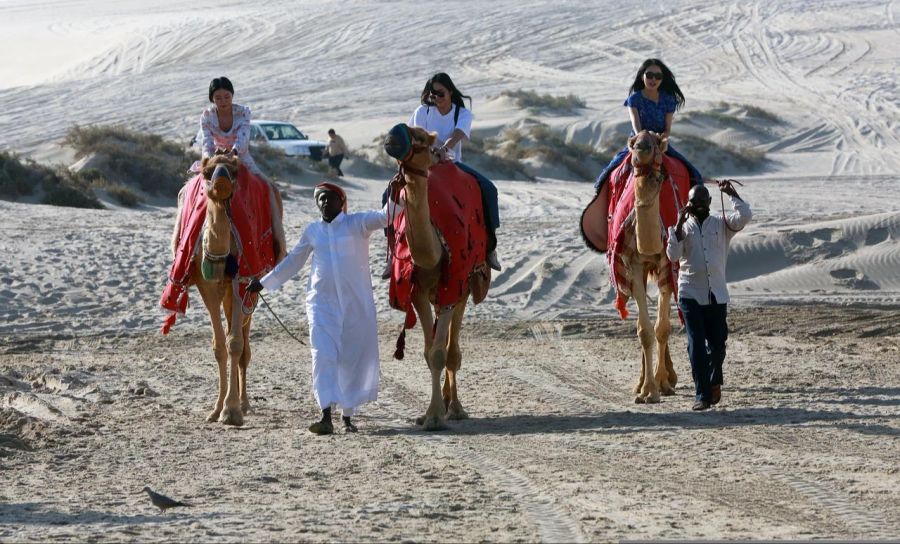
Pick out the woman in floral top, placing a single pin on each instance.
(652, 103)
(226, 125)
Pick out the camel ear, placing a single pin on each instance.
(663, 144)
(631, 141)
(203, 162)
(432, 136)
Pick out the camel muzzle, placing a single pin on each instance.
(398, 143)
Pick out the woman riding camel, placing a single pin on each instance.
(444, 112)
(226, 125)
(654, 98)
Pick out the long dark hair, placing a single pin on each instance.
(456, 96)
(668, 82)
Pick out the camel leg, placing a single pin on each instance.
(231, 412)
(663, 330)
(649, 391)
(245, 363)
(454, 361)
(435, 417)
(212, 298)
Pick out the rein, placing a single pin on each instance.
(396, 184)
(722, 200)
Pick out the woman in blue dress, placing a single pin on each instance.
(654, 97)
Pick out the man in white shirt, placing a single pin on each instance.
(340, 305)
(699, 242)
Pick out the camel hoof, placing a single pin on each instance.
(232, 416)
(667, 390)
(431, 423)
(652, 398)
(456, 412)
(213, 416)
(639, 400)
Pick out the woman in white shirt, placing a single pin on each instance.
(444, 112)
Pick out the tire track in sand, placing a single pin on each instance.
(588, 391)
(552, 521)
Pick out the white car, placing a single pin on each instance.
(286, 137)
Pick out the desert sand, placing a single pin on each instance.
(95, 403)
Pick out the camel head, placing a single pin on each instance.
(411, 147)
(647, 149)
(220, 172)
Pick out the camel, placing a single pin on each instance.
(442, 351)
(648, 259)
(220, 291)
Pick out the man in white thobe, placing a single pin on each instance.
(340, 306)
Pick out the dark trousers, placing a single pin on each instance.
(707, 331)
(696, 177)
(335, 162)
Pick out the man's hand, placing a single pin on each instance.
(682, 217)
(255, 286)
(726, 187)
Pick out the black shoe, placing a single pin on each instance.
(348, 426)
(700, 405)
(386, 273)
(716, 395)
(493, 261)
(322, 427)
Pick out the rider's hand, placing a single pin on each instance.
(255, 286)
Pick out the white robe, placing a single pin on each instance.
(340, 306)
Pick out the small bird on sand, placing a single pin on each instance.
(161, 501)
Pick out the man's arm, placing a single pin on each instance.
(290, 265)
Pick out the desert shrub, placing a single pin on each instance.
(276, 164)
(123, 195)
(534, 101)
(713, 159)
(754, 111)
(17, 179)
(59, 186)
(541, 142)
(155, 165)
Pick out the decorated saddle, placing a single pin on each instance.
(251, 216)
(607, 223)
(454, 201)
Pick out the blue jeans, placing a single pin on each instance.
(707, 331)
(696, 178)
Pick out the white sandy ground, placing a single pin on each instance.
(94, 404)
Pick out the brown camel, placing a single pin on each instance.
(648, 259)
(231, 345)
(442, 352)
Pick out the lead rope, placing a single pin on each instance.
(722, 200)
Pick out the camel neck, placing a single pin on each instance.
(217, 238)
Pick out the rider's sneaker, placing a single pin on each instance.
(493, 261)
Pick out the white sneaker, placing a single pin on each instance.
(493, 261)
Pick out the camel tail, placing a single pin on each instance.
(401, 345)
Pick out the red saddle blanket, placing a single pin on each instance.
(607, 222)
(252, 219)
(454, 201)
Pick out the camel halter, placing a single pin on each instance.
(646, 170)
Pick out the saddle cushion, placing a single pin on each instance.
(454, 201)
(622, 245)
(252, 219)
